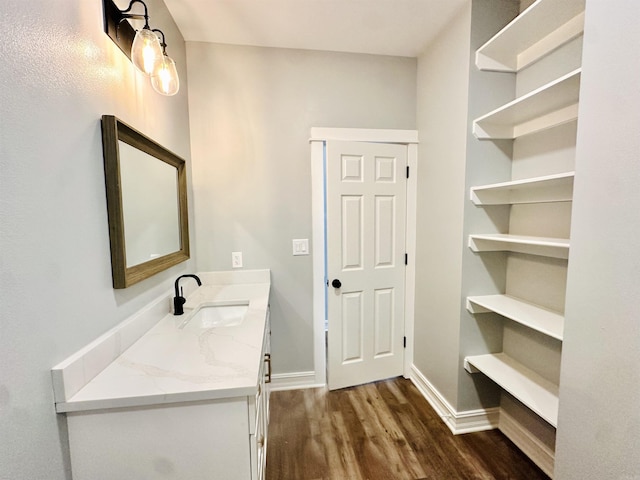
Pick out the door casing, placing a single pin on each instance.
(318, 138)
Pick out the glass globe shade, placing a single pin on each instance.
(165, 81)
(146, 52)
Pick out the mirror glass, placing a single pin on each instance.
(146, 201)
(149, 205)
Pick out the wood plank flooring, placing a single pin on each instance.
(380, 431)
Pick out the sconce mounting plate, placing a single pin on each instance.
(117, 28)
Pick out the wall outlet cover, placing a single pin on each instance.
(236, 259)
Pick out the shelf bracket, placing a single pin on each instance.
(470, 368)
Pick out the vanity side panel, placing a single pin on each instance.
(195, 441)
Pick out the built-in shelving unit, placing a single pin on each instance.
(533, 316)
(551, 105)
(540, 45)
(539, 30)
(501, 242)
(549, 188)
(534, 391)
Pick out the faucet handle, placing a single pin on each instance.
(178, 303)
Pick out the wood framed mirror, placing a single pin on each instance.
(146, 201)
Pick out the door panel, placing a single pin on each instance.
(366, 209)
(352, 235)
(383, 322)
(352, 327)
(385, 231)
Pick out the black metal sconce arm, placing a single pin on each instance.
(163, 44)
(125, 13)
(116, 26)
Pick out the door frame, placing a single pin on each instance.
(319, 137)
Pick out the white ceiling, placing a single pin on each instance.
(384, 27)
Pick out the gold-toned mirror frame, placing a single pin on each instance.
(114, 130)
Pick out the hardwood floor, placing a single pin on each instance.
(381, 431)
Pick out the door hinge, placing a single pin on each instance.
(407, 171)
(406, 259)
(404, 342)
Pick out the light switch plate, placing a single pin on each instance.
(301, 246)
(236, 259)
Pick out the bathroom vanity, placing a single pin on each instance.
(181, 397)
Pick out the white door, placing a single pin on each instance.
(366, 210)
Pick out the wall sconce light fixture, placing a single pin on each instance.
(165, 78)
(147, 53)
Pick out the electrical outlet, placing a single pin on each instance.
(236, 259)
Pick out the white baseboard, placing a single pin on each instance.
(458, 422)
(294, 381)
(538, 452)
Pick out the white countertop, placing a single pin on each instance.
(169, 364)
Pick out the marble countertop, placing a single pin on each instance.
(169, 364)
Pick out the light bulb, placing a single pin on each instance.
(146, 52)
(165, 81)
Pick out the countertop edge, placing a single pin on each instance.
(85, 406)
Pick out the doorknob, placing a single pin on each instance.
(336, 283)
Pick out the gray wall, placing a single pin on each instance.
(60, 73)
(600, 382)
(451, 93)
(443, 83)
(251, 111)
(487, 162)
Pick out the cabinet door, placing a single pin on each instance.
(259, 410)
(266, 349)
(258, 445)
(195, 441)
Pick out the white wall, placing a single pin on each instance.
(599, 420)
(442, 83)
(251, 112)
(60, 73)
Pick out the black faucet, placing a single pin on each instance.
(179, 300)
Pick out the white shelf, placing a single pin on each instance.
(534, 391)
(548, 106)
(550, 188)
(528, 314)
(499, 242)
(543, 27)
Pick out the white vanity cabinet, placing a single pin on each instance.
(206, 440)
(174, 403)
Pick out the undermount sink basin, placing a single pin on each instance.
(216, 315)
